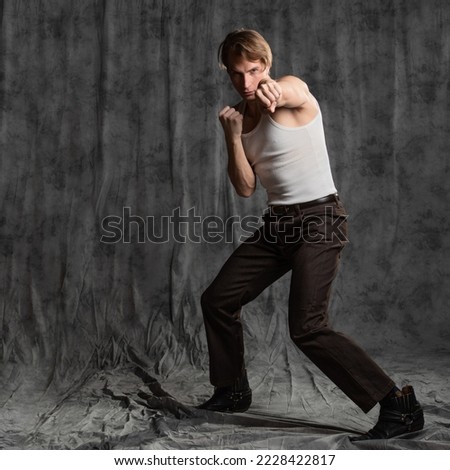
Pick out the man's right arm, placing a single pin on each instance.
(240, 171)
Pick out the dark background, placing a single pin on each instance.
(113, 104)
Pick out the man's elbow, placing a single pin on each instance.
(245, 192)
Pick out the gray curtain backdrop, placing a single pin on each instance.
(116, 211)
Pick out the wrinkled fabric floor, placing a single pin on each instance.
(128, 407)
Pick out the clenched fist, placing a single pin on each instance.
(268, 94)
(231, 121)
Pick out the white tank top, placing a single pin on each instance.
(291, 162)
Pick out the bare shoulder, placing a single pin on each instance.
(297, 95)
(299, 106)
(295, 82)
(291, 79)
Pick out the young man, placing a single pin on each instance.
(276, 134)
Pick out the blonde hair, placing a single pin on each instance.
(246, 43)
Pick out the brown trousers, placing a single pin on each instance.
(306, 239)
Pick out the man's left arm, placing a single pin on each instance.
(285, 92)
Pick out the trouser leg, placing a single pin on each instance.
(339, 357)
(257, 264)
(249, 270)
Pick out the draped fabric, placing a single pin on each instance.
(116, 213)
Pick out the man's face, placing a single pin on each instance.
(246, 75)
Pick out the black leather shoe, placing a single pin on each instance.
(400, 415)
(235, 398)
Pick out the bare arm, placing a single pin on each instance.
(286, 92)
(240, 172)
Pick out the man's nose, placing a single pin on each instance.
(247, 81)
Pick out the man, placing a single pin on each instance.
(276, 134)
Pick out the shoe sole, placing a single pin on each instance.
(366, 437)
